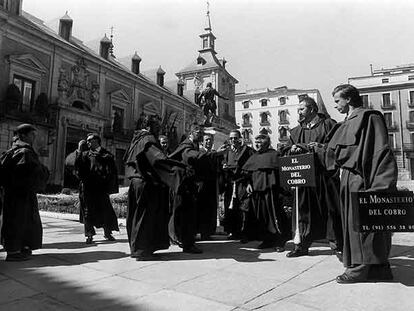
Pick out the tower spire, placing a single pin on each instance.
(208, 21)
(111, 49)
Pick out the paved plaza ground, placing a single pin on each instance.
(67, 274)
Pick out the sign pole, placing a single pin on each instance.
(296, 239)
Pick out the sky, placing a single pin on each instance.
(268, 43)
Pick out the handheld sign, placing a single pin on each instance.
(383, 211)
(297, 170)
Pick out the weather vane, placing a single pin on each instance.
(208, 7)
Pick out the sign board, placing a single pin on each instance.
(383, 211)
(297, 170)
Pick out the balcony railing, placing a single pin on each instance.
(246, 124)
(410, 125)
(118, 134)
(411, 104)
(264, 123)
(284, 121)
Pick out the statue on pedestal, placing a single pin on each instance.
(207, 102)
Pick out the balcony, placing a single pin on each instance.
(246, 124)
(410, 104)
(284, 122)
(410, 125)
(118, 134)
(388, 106)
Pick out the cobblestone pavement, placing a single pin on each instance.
(67, 274)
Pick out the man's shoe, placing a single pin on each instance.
(297, 252)
(244, 240)
(347, 279)
(145, 256)
(380, 273)
(109, 237)
(89, 240)
(192, 250)
(17, 257)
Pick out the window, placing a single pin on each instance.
(264, 118)
(282, 100)
(246, 104)
(282, 133)
(365, 102)
(119, 160)
(160, 79)
(263, 102)
(391, 141)
(246, 119)
(27, 89)
(411, 77)
(388, 119)
(411, 116)
(386, 100)
(205, 42)
(386, 80)
(411, 98)
(246, 134)
(283, 116)
(412, 138)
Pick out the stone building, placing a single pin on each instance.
(67, 90)
(271, 111)
(391, 91)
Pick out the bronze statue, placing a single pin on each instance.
(209, 104)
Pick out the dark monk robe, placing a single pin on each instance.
(359, 146)
(274, 226)
(99, 178)
(22, 227)
(150, 172)
(207, 199)
(235, 220)
(319, 213)
(183, 223)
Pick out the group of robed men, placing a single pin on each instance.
(350, 156)
(174, 196)
(189, 180)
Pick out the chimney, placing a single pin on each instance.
(135, 61)
(180, 87)
(14, 6)
(105, 47)
(65, 26)
(160, 76)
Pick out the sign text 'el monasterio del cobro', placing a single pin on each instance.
(297, 170)
(383, 211)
